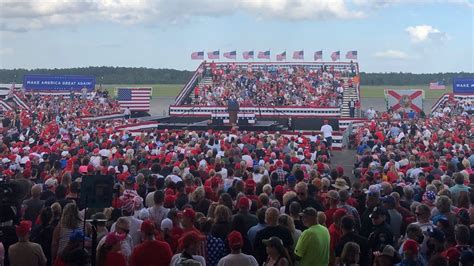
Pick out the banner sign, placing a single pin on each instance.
(463, 85)
(58, 83)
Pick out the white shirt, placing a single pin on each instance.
(327, 131)
(176, 258)
(237, 260)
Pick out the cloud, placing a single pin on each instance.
(36, 14)
(425, 33)
(391, 54)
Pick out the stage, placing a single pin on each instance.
(205, 125)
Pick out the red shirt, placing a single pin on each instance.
(335, 234)
(115, 258)
(153, 253)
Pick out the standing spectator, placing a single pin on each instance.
(190, 243)
(158, 212)
(249, 219)
(33, 206)
(150, 251)
(43, 233)
(25, 252)
(395, 218)
(381, 234)
(327, 130)
(277, 253)
(303, 199)
(272, 229)
(350, 235)
(458, 187)
(236, 257)
(352, 106)
(371, 113)
(350, 254)
(122, 226)
(127, 113)
(252, 232)
(109, 253)
(313, 245)
(70, 221)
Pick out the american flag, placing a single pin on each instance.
(336, 55)
(264, 55)
(197, 55)
(437, 86)
(213, 55)
(230, 55)
(318, 55)
(281, 56)
(247, 55)
(298, 54)
(137, 99)
(351, 55)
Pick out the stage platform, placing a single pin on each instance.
(204, 125)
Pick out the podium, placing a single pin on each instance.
(233, 108)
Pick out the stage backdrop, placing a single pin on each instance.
(58, 83)
(463, 85)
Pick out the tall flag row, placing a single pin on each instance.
(246, 55)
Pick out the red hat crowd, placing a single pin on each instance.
(228, 198)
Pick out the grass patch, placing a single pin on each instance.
(378, 91)
(158, 90)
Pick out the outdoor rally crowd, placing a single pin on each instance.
(236, 198)
(272, 86)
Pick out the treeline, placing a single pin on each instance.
(142, 75)
(107, 75)
(410, 78)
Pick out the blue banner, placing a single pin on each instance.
(463, 85)
(58, 83)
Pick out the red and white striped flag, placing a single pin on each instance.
(247, 55)
(281, 57)
(351, 55)
(298, 55)
(336, 55)
(197, 55)
(264, 54)
(137, 99)
(230, 55)
(213, 55)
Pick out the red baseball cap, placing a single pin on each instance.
(23, 228)
(235, 239)
(339, 213)
(113, 238)
(243, 202)
(189, 238)
(148, 227)
(410, 244)
(188, 212)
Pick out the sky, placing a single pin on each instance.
(419, 36)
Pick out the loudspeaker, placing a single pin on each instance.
(96, 191)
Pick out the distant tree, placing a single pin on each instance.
(143, 75)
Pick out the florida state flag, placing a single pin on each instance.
(404, 100)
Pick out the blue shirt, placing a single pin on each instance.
(252, 232)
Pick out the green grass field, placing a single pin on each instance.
(378, 91)
(172, 90)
